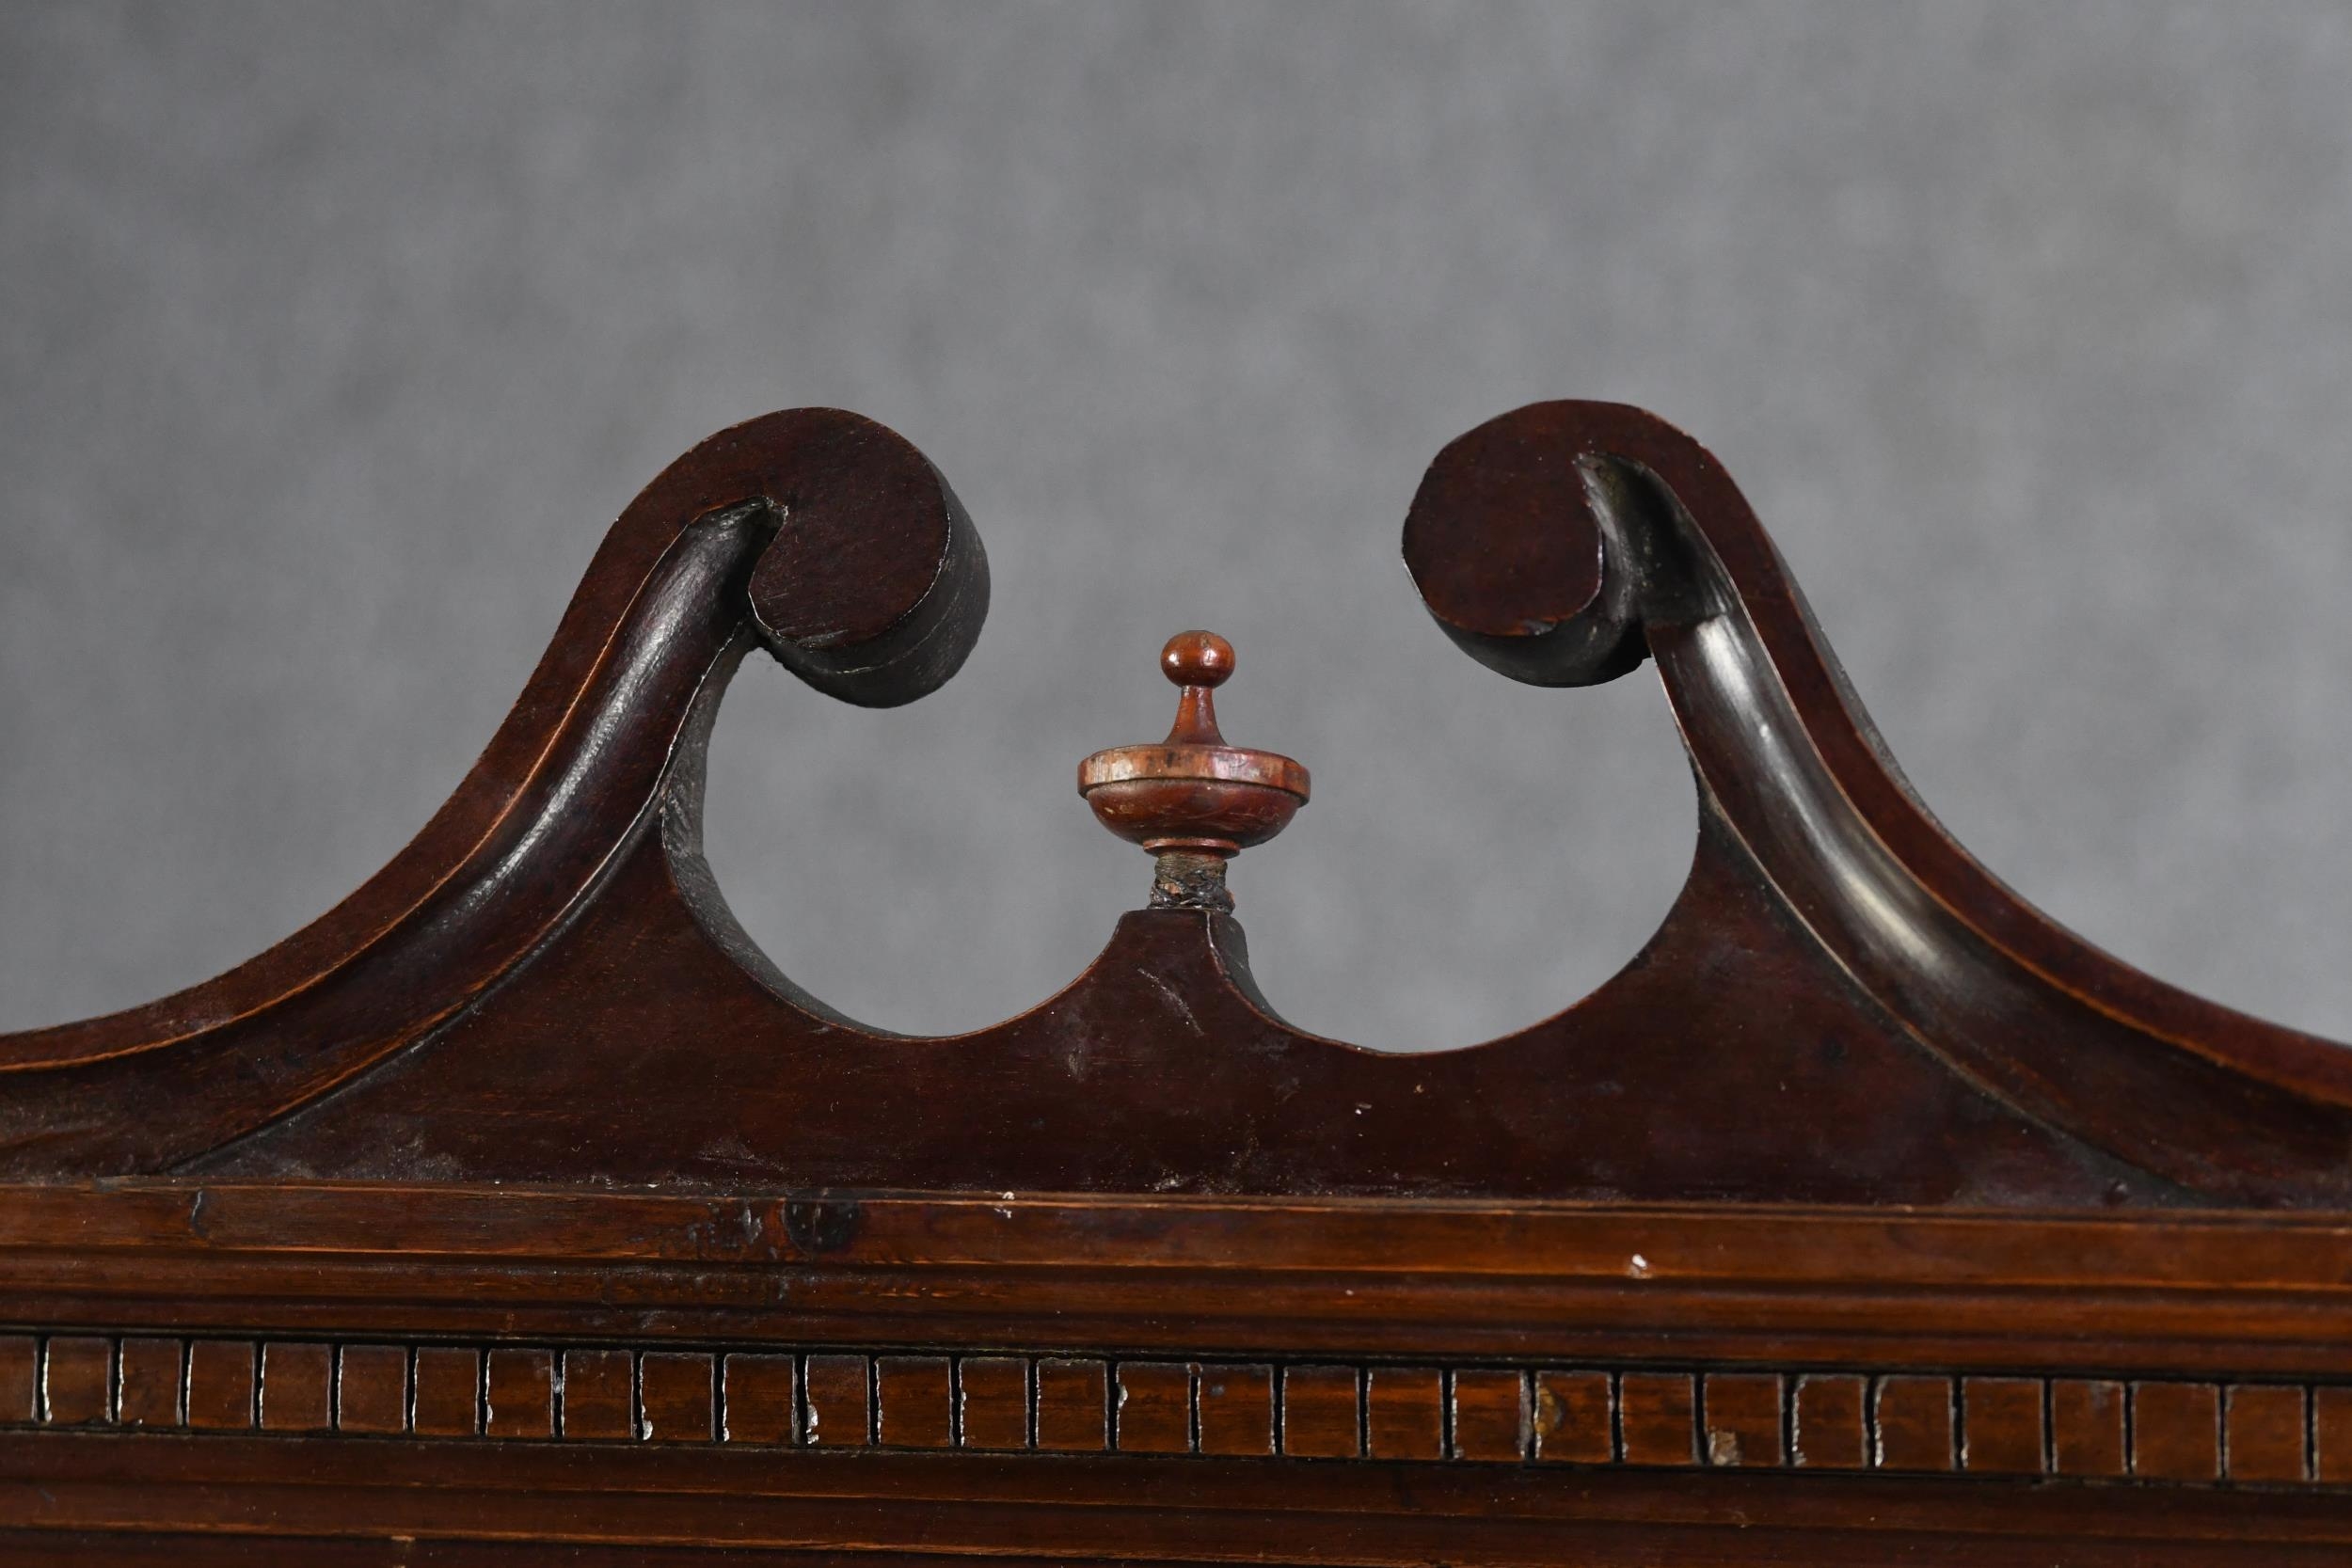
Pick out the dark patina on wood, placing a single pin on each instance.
(521, 1203)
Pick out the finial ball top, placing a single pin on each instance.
(1197, 658)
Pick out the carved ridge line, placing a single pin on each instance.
(1001, 1401)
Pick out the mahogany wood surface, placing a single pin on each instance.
(521, 1210)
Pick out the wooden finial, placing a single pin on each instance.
(1192, 801)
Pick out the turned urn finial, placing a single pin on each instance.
(1191, 799)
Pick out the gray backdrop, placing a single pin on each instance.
(335, 336)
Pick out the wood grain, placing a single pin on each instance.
(1073, 1405)
(2266, 1432)
(2003, 1420)
(994, 1395)
(519, 1393)
(1914, 1417)
(20, 1379)
(762, 1399)
(600, 1392)
(448, 1391)
(1744, 1419)
(1154, 1406)
(1405, 1412)
(916, 1402)
(2086, 1428)
(1657, 1417)
(554, 943)
(1322, 1412)
(519, 1210)
(1235, 1409)
(1574, 1418)
(1830, 1426)
(2176, 1431)
(371, 1388)
(149, 1373)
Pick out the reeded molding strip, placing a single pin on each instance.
(1015, 1401)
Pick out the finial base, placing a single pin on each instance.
(1190, 880)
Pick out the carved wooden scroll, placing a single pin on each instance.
(1561, 542)
(520, 1202)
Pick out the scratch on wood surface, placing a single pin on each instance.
(1175, 999)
